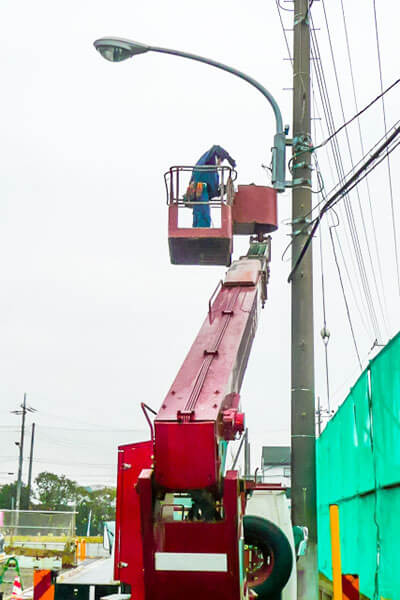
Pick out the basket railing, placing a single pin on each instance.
(178, 178)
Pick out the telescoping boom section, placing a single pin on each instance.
(201, 410)
(179, 512)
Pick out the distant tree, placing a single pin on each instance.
(54, 492)
(9, 491)
(99, 505)
(57, 492)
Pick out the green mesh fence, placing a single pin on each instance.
(358, 468)
(37, 522)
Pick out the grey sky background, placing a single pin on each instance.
(93, 318)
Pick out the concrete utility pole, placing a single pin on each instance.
(303, 405)
(21, 454)
(30, 467)
(20, 444)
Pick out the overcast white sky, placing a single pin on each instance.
(93, 318)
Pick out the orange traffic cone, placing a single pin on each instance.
(16, 593)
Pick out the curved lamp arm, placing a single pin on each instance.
(119, 49)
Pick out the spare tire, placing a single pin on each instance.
(268, 542)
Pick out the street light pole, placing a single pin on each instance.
(303, 489)
(118, 49)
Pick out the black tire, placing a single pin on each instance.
(271, 542)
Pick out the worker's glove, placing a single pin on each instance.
(190, 195)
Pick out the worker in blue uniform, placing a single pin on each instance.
(204, 184)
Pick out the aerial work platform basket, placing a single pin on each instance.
(189, 245)
(252, 209)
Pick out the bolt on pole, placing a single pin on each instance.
(303, 491)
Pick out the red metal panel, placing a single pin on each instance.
(185, 455)
(254, 210)
(225, 231)
(128, 564)
(351, 587)
(200, 251)
(146, 518)
(193, 537)
(200, 245)
(243, 272)
(193, 586)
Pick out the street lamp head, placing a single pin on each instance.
(119, 49)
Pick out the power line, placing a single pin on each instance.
(339, 164)
(283, 8)
(92, 426)
(336, 158)
(333, 227)
(385, 310)
(324, 333)
(88, 430)
(350, 184)
(323, 91)
(357, 115)
(369, 171)
(347, 204)
(71, 464)
(344, 296)
(356, 297)
(278, 6)
(388, 162)
(334, 201)
(377, 289)
(337, 161)
(360, 162)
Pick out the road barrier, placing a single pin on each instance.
(80, 549)
(43, 584)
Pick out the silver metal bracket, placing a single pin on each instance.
(301, 18)
(302, 143)
(300, 221)
(302, 165)
(298, 182)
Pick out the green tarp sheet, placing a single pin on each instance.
(358, 468)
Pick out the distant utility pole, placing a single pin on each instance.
(23, 411)
(30, 467)
(21, 452)
(303, 491)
